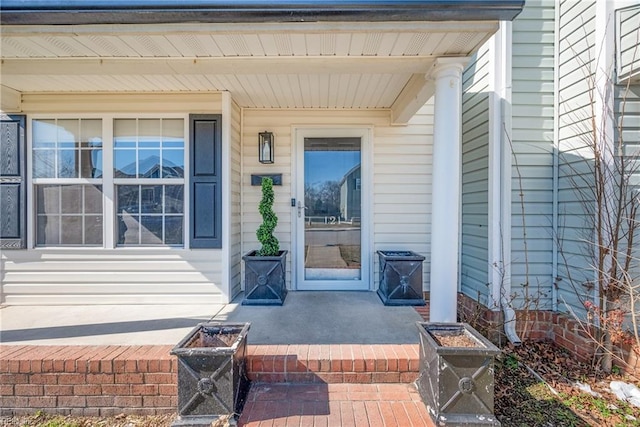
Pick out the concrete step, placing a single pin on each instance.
(333, 363)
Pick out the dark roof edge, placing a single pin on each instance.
(86, 12)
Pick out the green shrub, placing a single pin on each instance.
(270, 244)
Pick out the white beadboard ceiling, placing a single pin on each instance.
(351, 66)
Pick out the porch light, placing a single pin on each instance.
(265, 147)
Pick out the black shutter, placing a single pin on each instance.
(205, 182)
(12, 182)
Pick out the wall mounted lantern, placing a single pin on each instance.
(266, 147)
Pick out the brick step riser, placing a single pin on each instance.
(364, 364)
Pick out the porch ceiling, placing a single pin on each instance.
(360, 65)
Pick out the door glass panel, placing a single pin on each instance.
(332, 200)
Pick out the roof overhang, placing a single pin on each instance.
(79, 12)
(377, 61)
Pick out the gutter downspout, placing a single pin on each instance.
(555, 279)
(503, 88)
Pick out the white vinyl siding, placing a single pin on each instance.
(532, 155)
(576, 52)
(474, 263)
(627, 120)
(235, 188)
(628, 38)
(402, 176)
(114, 275)
(111, 276)
(402, 179)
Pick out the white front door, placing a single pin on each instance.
(332, 215)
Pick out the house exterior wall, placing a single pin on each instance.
(401, 160)
(532, 155)
(576, 55)
(113, 275)
(474, 262)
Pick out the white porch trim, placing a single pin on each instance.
(447, 134)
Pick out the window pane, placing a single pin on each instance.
(124, 133)
(151, 232)
(48, 230)
(173, 230)
(91, 132)
(91, 163)
(44, 133)
(149, 163)
(71, 230)
(174, 199)
(172, 163)
(47, 199)
(151, 199)
(128, 199)
(124, 164)
(68, 164)
(173, 133)
(44, 162)
(128, 230)
(68, 133)
(149, 133)
(93, 230)
(71, 199)
(93, 199)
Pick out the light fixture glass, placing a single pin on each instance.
(266, 146)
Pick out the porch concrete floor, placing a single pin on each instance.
(305, 318)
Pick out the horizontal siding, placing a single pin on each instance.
(117, 276)
(402, 170)
(474, 258)
(577, 34)
(402, 176)
(628, 33)
(532, 145)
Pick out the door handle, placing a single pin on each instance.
(300, 208)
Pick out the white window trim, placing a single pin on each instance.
(109, 240)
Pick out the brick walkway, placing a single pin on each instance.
(334, 405)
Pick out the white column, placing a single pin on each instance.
(445, 204)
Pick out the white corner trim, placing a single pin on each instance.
(225, 286)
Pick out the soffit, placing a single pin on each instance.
(289, 65)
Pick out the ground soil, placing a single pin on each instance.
(537, 385)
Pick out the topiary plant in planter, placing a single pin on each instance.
(265, 270)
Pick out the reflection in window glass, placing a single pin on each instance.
(67, 148)
(150, 214)
(149, 148)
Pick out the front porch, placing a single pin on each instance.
(324, 347)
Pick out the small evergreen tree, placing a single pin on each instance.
(270, 244)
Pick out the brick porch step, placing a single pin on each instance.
(339, 363)
(108, 380)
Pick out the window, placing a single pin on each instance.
(67, 171)
(147, 159)
(148, 170)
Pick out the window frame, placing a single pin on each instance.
(108, 182)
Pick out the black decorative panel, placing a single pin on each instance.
(10, 212)
(10, 149)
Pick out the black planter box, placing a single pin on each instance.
(400, 278)
(212, 378)
(456, 382)
(264, 279)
